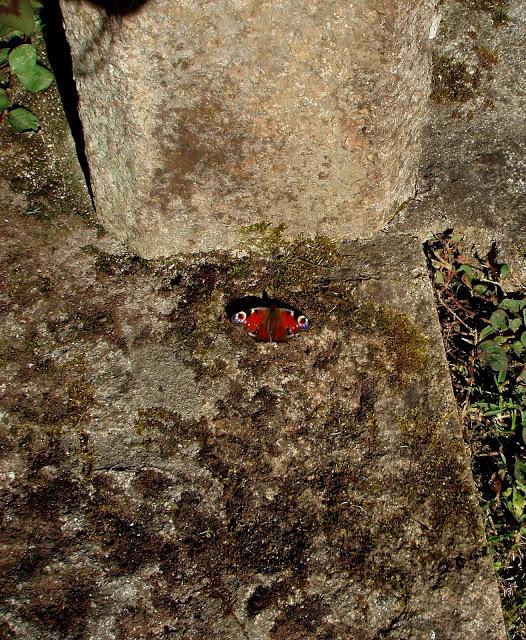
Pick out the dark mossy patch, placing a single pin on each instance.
(152, 482)
(453, 81)
(61, 602)
(118, 266)
(168, 429)
(404, 352)
(496, 8)
(265, 596)
(57, 395)
(487, 57)
(440, 465)
(301, 620)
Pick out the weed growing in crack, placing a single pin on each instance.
(483, 322)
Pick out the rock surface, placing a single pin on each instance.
(163, 476)
(472, 168)
(204, 117)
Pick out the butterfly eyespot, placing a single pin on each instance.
(303, 322)
(239, 317)
(288, 331)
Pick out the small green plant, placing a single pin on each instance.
(19, 67)
(483, 320)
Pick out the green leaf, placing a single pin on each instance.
(23, 120)
(438, 277)
(33, 77)
(17, 14)
(481, 289)
(466, 273)
(493, 356)
(523, 338)
(487, 331)
(37, 79)
(517, 347)
(512, 305)
(4, 53)
(7, 33)
(4, 100)
(505, 271)
(520, 472)
(515, 324)
(518, 502)
(499, 320)
(23, 58)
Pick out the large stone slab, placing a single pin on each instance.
(204, 117)
(163, 476)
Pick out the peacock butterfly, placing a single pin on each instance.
(266, 319)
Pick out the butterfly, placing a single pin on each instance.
(266, 319)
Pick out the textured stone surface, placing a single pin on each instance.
(203, 117)
(472, 173)
(163, 476)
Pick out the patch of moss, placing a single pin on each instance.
(302, 620)
(168, 427)
(118, 266)
(453, 81)
(438, 465)
(496, 8)
(420, 432)
(61, 603)
(405, 349)
(487, 57)
(264, 237)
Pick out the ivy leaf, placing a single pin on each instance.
(520, 473)
(487, 331)
(480, 289)
(523, 338)
(493, 355)
(4, 100)
(23, 58)
(499, 320)
(17, 14)
(23, 61)
(517, 347)
(518, 502)
(512, 305)
(23, 120)
(468, 273)
(515, 324)
(4, 53)
(37, 79)
(505, 271)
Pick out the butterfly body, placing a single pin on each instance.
(267, 319)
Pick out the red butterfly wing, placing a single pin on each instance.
(256, 324)
(284, 325)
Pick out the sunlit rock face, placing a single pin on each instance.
(204, 117)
